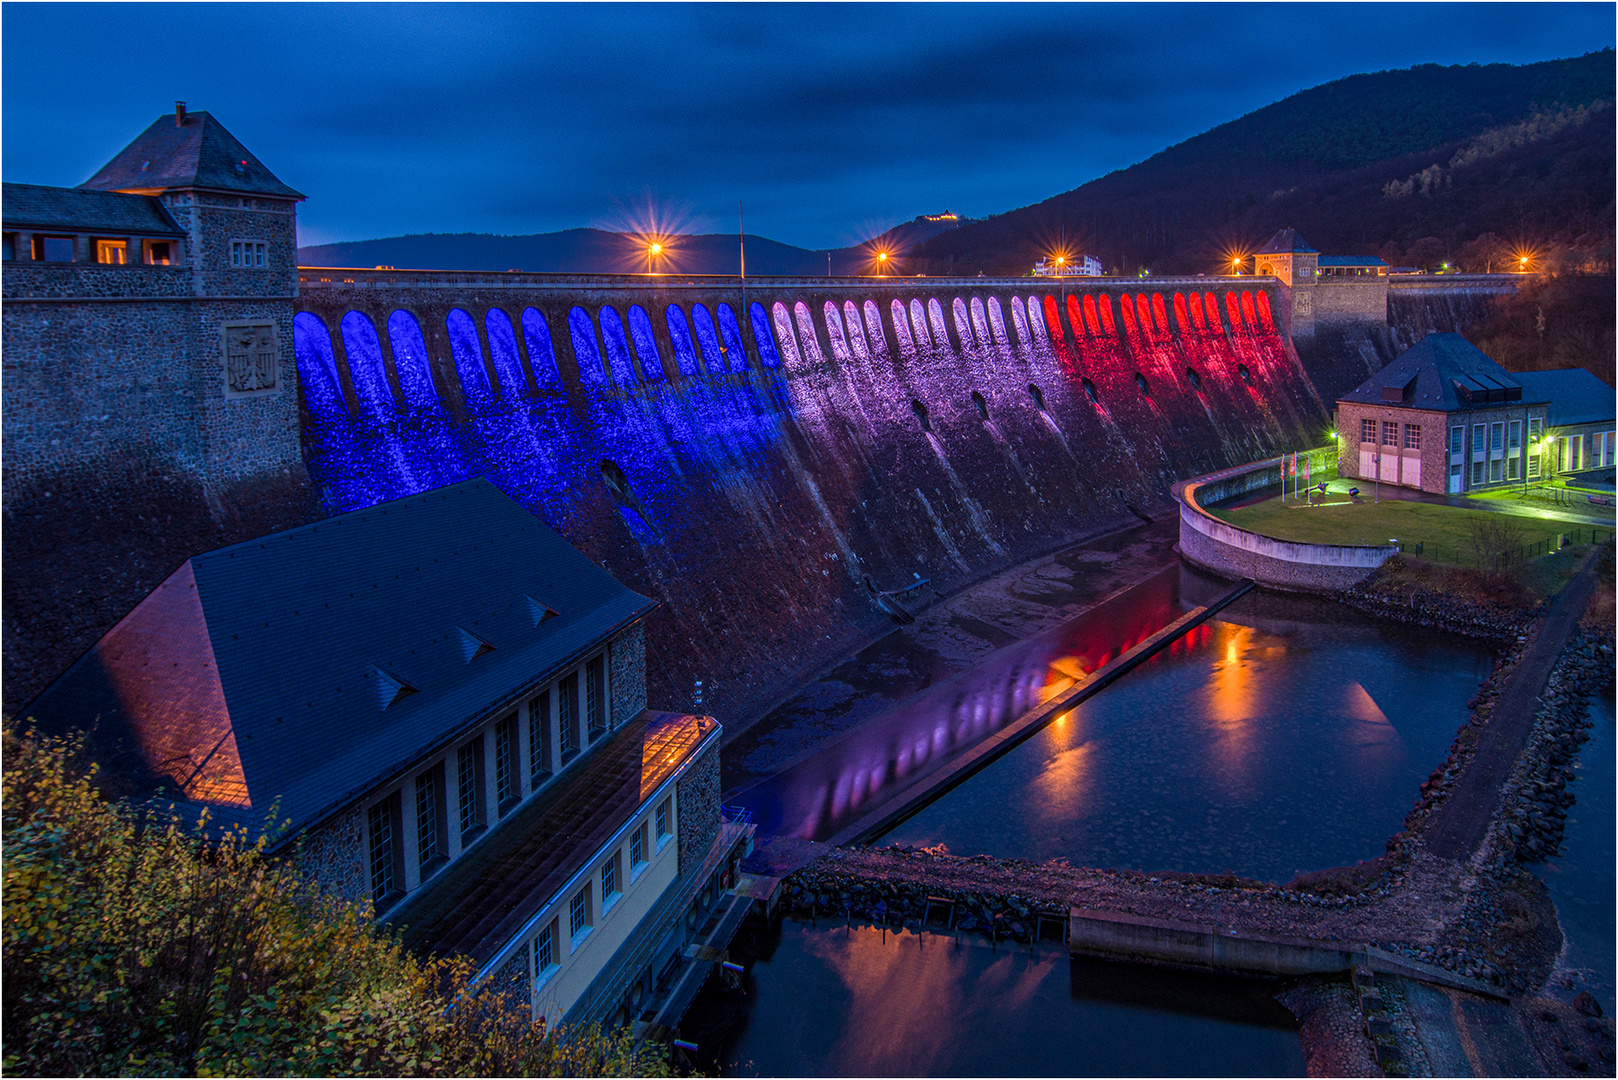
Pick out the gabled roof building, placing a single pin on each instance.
(1447, 419)
(442, 703)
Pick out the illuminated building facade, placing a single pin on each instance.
(444, 703)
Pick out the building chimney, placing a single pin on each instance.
(179, 114)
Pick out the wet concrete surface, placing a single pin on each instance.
(950, 637)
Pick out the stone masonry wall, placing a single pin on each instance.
(333, 853)
(696, 797)
(626, 659)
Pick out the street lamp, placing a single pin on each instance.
(654, 252)
(881, 261)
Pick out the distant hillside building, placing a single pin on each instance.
(1080, 266)
(445, 704)
(1323, 288)
(1444, 418)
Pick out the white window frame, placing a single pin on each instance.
(580, 903)
(665, 825)
(615, 864)
(249, 254)
(549, 935)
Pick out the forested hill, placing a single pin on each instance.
(1367, 164)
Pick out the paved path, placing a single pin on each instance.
(1464, 818)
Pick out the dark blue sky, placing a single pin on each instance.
(832, 122)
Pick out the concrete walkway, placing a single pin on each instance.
(1464, 817)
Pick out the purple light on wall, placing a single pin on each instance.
(317, 369)
(536, 333)
(411, 364)
(997, 322)
(834, 334)
(918, 327)
(503, 351)
(875, 335)
(579, 326)
(476, 392)
(784, 334)
(963, 324)
(685, 352)
(372, 394)
(640, 329)
(761, 334)
(901, 328)
(808, 340)
(856, 332)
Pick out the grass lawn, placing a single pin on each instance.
(1444, 531)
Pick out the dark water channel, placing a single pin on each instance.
(1581, 879)
(824, 999)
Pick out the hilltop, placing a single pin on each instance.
(1428, 158)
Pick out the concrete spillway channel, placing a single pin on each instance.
(911, 802)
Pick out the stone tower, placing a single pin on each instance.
(1289, 258)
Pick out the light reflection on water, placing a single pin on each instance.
(1283, 736)
(819, 796)
(822, 999)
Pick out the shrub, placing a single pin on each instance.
(138, 944)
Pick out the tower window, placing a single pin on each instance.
(158, 253)
(53, 249)
(112, 252)
(595, 694)
(249, 254)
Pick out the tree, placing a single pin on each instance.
(138, 944)
(1427, 253)
(1486, 255)
(1495, 539)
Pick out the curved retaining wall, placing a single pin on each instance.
(1278, 564)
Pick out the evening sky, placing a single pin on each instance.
(831, 122)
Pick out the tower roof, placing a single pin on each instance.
(1287, 242)
(187, 150)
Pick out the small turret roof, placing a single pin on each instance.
(1286, 242)
(187, 150)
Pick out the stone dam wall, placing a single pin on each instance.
(765, 464)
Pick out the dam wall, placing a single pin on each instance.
(766, 462)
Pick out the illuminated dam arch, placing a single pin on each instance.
(781, 440)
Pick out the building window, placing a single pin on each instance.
(1412, 436)
(1497, 436)
(112, 252)
(9, 250)
(637, 849)
(1477, 438)
(1533, 466)
(578, 915)
(545, 952)
(428, 807)
(539, 739)
(595, 687)
(1494, 470)
(609, 882)
(158, 253)
(1514, 434)
(468, 781)
(383, 854)
(507, 791)
(1477, 472)
(248, 254)
(1534, 428)
(1607, 456)
(1390, 433)
(1513, 467)
(53, 249)
(1457, 440)
(662, 818)
(567, 713)
(1368, 431)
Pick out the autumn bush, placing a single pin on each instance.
(137, 943)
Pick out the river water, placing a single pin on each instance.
(824, 999)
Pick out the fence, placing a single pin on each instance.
(1567, 538)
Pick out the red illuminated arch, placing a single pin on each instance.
(1160, 315)
(1266, 320)
(1247, 310)
(1075, 316)
(1143, 314)
(1210, 308)
(1104, 306)
(1233, 311)
(1127, 310)
(1091, 322)
(1053, 320)
(1183, 317)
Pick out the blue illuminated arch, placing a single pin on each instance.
(317, 369)
(411, 363)
(366, 374)
(617, 345)
(503, 351)
(707, 338)
(476, 392)
(640, 329)
(583, 332)
(731, 334)
(685, 352)
(761, 334)
(541, 353)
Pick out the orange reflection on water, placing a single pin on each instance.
(909, 994)
(1232, 697)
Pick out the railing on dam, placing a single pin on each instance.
(1231, 551)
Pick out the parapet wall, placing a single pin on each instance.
(1225, 549)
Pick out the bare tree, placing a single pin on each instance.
(1494, 539)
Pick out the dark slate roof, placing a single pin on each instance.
(199, 153)
(271, 671)
(34, 206)
(1287, 241)
(1575, 396)
(1349, 260)
(481, 900)
(1432, 372)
